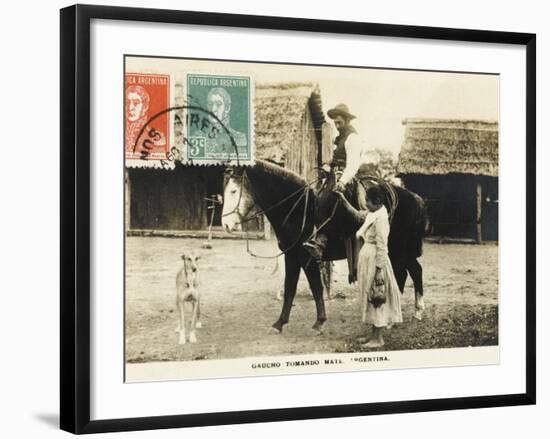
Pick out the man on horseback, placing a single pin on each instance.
(349, 154)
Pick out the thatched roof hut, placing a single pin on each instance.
(444, 146)
(289, 119)
(453, 165)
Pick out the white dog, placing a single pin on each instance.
(187, 283)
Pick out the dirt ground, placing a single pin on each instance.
(239, 304)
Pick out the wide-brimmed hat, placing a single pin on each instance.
(340, 110)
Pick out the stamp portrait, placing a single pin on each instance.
(222, 131)
(146, 137)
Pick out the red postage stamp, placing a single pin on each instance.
(147, 129)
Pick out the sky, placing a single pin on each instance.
(381, 99)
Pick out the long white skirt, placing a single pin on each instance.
(389, 312)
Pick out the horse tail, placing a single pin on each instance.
(420, 224)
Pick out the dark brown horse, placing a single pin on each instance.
(288, 202)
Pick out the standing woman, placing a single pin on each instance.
(381, 301)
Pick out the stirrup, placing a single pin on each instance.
(314, 250)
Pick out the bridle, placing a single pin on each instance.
(260, 212)
(243, 219)
(229, 174)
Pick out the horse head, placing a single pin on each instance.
(238, 203)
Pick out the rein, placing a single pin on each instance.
(298, 239)
(245, 219)
(325, 222)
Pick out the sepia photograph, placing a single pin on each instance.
(295, 219)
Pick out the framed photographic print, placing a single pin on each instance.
(304, 218)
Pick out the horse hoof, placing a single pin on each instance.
(418, 315)
(274, 331)
(317, 328)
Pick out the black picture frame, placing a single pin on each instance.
(75, 217)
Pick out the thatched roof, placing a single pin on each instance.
(442, 146)
(279, 111)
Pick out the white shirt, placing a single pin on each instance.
(356, 155)
(375, 230)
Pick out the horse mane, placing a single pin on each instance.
(279, 171)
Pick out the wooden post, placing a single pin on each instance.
(212, 212)
(478, 212)
(127, 194)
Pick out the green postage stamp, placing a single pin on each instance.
(220, 119)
